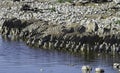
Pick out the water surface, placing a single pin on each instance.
(16, 57)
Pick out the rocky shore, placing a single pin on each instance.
(75, 27)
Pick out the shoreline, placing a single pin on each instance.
(64, 26)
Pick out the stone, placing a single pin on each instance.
(117, 1)
(16, 0)
(116, 65)
(45, 45)
(84, 1)
(86, 69)
(91, 27)
(68, 30)
(13, 23)
(81, 29)
(25, 7)
(99, 70)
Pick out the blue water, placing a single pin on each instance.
(16, 57)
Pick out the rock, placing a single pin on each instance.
(109, 0)
(91, 27)
(25, 7)
(1, 24)
(9, 24)
(16, 0)
(84, 1)
(13, 23)
(81, 29)
(96, 1)
(106, 30)
(68, 30)
(86, 69)
(27, 0)
(99, 70)
(116, 65)
(117, 1)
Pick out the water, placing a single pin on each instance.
(16, 57)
